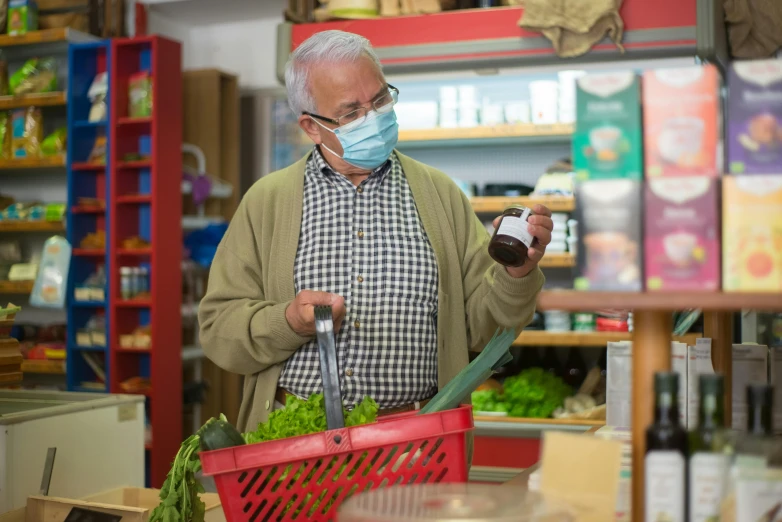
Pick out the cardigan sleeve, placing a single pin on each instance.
(242, 331)
(492, 297)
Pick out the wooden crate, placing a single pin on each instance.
(147, 499)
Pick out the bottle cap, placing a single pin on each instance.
(711, 384)
(666, 382)
(760, 394)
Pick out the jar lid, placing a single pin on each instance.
(518, 206)
(452, 503)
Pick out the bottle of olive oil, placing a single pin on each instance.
(755, 448)
(666, 455)
(709, 452)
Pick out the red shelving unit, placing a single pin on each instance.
(145, 202)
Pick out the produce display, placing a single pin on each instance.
(533, 393)
(179, 495)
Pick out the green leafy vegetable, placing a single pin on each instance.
(179, 496)
(533, 393)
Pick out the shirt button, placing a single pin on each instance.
(360, 234)
(349, 372)
(360, 279)
(357, 324)
(359, 190)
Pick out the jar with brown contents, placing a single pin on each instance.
(511, 240)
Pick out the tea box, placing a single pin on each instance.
(752, 233)
(609, 244)
(755, 117)
(681, 111)
(681, 240)
(607, 138)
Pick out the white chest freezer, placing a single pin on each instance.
(99, 440)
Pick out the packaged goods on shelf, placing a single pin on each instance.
(416, 115)
(679, 366)
(682, 234)
(619, 383)
(5, 135)
(752, 233)
(26, 133)
(698, 363)
(37, 75)
(544, 101)
(97, 93)
(140, 95)
(607, 142)
(609, 247)
(756, 496)
(750, 366)
(93, 288)
(755, 117)
(54, 143)
(681, 119)
(50, 287)
(98, 151)
(22, 16)
(776, 379)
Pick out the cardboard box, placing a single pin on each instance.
(681, 110)
(607, 140)
(682, 234)
(610, 232)
(750, 366)
(755, 117)
(752, 233)
(698, 363)
(619, 384)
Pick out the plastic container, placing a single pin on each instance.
(308, 477)
(454, 502)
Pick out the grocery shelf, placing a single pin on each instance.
(133, 303)
(43, 366)
(496, 204)
(88, 252)
(85, 165)
(33, 163)
(32, 226)
(134, 198)
(584, 301)
(61, 35)
(544, 338)
(134, 121)
(558, 260)
(139, 252)
(539, 422)
(88, 348)
(88, 304)
(520, 133)
(141, 164)
(16, 287)
(84, 209)
(84, 124)
(47, 99)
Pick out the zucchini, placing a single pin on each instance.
(219, 434)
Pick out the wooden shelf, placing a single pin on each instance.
(658, 301)
(504, 131)
(141, 252)
(33, 163)
(16, 287)
(44, 36)
(32, 226)
(496, 204)
(554, 422)
(558, 260)
(47, 99)
(83, 124)
(134, 303)
(544, 338)
(84, 209)
(43, 366)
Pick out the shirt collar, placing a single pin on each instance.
(323, 167)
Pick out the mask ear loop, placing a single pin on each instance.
(323, 144)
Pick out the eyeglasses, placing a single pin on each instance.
(383, 104)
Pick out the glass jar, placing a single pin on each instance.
(511, 240)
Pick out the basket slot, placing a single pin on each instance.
(269, 514)
(258, 510)
(326, 470)
(266, 481)
(314, 469)
(316, 504)
(441, 476)
(289, 508)
(250, 484)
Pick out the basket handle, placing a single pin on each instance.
(329, 371)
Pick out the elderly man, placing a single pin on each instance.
(390, 243)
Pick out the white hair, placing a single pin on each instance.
(331, 47)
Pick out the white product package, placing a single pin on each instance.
(619, 384)
(776, 381)
(679, 366)
(750, 366)
(698, 363)
(758, 494)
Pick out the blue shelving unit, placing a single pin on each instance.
(86, 61)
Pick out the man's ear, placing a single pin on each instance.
(311, 128)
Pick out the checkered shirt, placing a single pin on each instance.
(368, 244)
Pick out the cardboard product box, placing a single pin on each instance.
(755, 117)
(609, 240)
(752, 233)
(698, 363)
(682, 122)
(776, 381)
(607, 140)
(619, 384)
(682, 241)
(750, 366)
(679, 366)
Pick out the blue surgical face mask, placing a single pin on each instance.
(369, 143)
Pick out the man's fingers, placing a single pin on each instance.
(543, 235)
(315, 297)
(543, 221)
(496, 221)
(541, 210)
(535, 254)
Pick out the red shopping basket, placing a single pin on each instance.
(308, 477)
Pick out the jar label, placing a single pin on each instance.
(665, 486)
(708, 476)
(516, 227)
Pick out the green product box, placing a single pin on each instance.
(608, 140)
(22, 17)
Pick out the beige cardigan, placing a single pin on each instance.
(242, 316)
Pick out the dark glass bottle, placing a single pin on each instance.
(666, 454)
(575, 368)
(511, 240)
(756, 447)
(709, 452)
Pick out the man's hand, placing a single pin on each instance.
(301, 312)
(540, 226)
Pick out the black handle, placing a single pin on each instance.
(329, 370)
